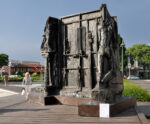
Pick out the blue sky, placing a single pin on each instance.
(22, 22)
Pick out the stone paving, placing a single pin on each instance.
(11, 94)
(26, 113)
(13, 98)
(144, 106)
(4, 93)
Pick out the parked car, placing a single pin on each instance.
(132, 77)
(12, 76)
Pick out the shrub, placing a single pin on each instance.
(15, 79)
(36, 79)
(34, 74)
(23, 74)
(1, 78)
(131, 89)
(13, 73)
(19, 79)
(20, 73)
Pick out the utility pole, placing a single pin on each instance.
(122, 45)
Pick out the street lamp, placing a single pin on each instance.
(129, 64)
(122, 45)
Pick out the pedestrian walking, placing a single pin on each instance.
(26, 83)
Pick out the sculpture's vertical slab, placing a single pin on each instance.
(82, 58)
(51, 50)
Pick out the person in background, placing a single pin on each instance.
(27, 82)
(5, 79)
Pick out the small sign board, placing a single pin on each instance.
(129, 65)
(104, 110)
(129, 60)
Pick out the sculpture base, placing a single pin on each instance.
(91, 109)
(49, 100)
(86, 106)
(75, 92)
(37, 95)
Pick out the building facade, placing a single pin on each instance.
(22, 66)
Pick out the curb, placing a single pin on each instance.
(141, 116)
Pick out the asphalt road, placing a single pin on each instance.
(143, 83)
(16, 86)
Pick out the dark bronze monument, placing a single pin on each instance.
(82, 58)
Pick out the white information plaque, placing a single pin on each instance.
(104, 110)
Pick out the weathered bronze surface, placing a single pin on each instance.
(82, 56)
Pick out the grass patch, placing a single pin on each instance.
(36, 79)
(131, 89)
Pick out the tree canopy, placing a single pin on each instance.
(3, 59)
(140, 52)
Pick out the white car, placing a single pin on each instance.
(132, 77)
(11, 76)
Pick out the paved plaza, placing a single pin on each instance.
(11, 94)
(14, 109)
(59, 114)
(4, 93)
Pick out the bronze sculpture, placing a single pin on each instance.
(82, 56)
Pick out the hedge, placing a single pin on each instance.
(131, 89)
(19, 79)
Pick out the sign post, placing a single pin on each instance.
(129, 65)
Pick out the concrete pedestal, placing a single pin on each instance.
(86, 107)
(91, 109)
(37, 96)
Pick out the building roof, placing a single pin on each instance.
(28, 65)
(22, 63)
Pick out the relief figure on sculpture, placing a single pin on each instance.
(49, 48)
(108, 66)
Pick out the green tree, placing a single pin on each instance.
(3, 59)
(20, 73)
(141, 53)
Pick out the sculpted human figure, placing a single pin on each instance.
(107, 62)
(49, 47)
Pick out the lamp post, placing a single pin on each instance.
(129, 64)
(122, 45)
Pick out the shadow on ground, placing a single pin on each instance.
(2, 111)
(127, 113)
